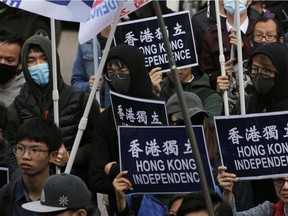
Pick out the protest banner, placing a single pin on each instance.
(159, 159)
(102, 15)
(137, 111)
(254, 146)
(4, 176)
(146, 34)
(69, 10)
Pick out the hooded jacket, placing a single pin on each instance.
(200, 86)
(277, 100)
(105, 141)
(35, 100)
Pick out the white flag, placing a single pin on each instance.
(68, 10)
(103, 13)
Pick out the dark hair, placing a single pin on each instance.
(3, 116)
(211, 140)
(40, 130)
(118, 63)
(35, 48)
(8, 37)
(196, 202)
(263, 19)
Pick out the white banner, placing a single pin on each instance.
(68, 10)
(103, 13)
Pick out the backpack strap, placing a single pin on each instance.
(8, 198)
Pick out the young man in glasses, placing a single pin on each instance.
(267, 208)
(38, 141)
(35, 99)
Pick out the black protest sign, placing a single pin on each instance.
(254, 146)
(146, 35)
(159, 159)
(137, 111)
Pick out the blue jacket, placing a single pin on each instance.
(149, 206)
(83, 68)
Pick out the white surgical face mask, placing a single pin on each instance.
(229, 6)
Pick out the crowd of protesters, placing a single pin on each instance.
(33, 147)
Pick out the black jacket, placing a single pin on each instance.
(105, 142)
(37, 101)
(277, 100)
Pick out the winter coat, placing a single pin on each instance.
(105, 142)
(35, 100)
(211, 100)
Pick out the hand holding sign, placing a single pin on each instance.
(121, 185)
(156, 79)
(226, 181)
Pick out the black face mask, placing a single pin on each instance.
(7, 72)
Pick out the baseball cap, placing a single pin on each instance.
(194, 105)
(60, 192)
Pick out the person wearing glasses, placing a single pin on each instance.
(38, 141)
(265, 30)
(267, 208)
(267, 67)
(36, 99)
(126, 74)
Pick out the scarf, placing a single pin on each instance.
(278, 209)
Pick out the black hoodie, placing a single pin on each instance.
(34, 101)
(105, 140)
(277, 100)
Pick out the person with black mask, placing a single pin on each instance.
(265, 30)
(11, 78)
(267, 67)
(126, 74)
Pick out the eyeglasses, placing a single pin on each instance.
(279, 182)
(265, 73)
(120, 74)
(268, 37)
(34, 152)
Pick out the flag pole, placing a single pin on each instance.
(240, 58)
(55, 93)
(221, 56)
(83, 121)
(95, 63)
(183, 106)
